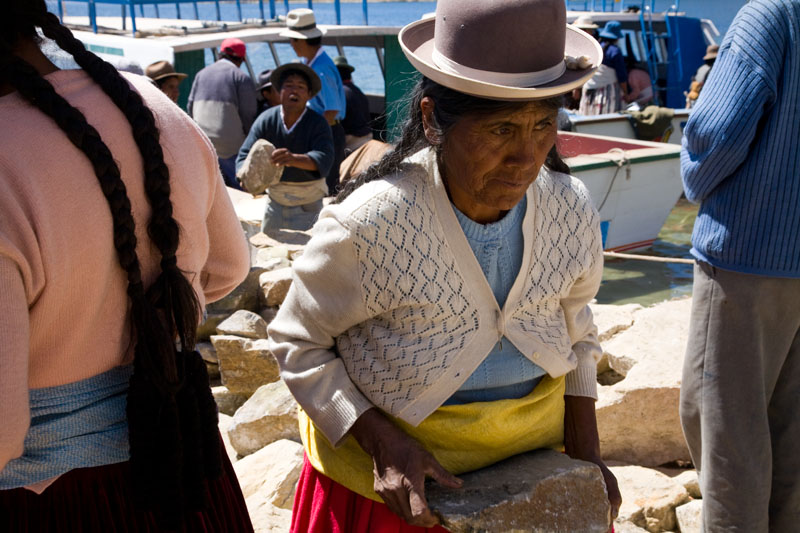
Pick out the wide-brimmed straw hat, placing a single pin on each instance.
(162, 69)
(316, 84)
(711, 52)
(502, 50)
(301, 24)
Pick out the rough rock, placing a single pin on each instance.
(280, 251)
(274, 286)
(225, 422)
(270, 414)
(227, 402)
(262, 240)
(271, 263)
(690, 482)
(249, 210)
(245, 364)
(690, 517)
(207, 352)
(209, 326)
(272, 472)
(658, 331)
(610, 320)
(649, 498)
(627, 527)
(244, 323)
(244, 296)
(637, 417)
(267, 518)
(257, 172)
(532, 492)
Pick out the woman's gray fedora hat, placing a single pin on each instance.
(503, 49)
(301, 24)
(275, 77)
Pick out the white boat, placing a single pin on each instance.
(619, 125)
(634, 184)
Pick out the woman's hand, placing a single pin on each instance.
(400, 465)
(581, 441)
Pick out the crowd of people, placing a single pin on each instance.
(423, 335)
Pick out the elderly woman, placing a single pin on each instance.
(438, 319)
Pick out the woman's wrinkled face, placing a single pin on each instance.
(488, 161)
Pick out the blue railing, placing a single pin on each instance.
(128, 8)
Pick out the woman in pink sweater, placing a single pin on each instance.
(115, 230)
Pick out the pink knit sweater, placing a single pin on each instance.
(63, 306)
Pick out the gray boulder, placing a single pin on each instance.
(270, 414)
(244, 323)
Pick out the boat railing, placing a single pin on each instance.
(129, 8)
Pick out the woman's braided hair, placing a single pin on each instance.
(172, 416)
(450, 106)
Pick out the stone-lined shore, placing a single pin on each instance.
(637, 412)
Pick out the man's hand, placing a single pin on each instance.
(400, 465)
(581, 441)
(282, 156)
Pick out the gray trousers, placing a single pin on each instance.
(740, 400)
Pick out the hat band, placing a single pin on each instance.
(306, 27)
(509, 79)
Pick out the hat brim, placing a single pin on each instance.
(607, 35)
(302, 34)
(180, 75)
(416, 40)
(316, 84)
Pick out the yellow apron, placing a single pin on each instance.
(461, 437)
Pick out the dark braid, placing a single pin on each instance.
(172, 417)
(450, 107)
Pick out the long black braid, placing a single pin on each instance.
(172, 416)
(450, 107)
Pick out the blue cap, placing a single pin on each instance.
(612, 30)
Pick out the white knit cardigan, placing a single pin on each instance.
(390, 280)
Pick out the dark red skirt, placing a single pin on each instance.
(100, 499)
(323, 506)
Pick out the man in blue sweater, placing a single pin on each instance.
(303, 145)
(740, 395)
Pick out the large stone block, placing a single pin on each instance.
(245, 364)
(225, 422)
(638, 418)
(540, 492)
(244, 296)
(690, 517)
(227, 401)
(272, 472)
(649, 498)
(209, 326)
(274, 286)
(244, 323)
(269, 415)
(690, 482)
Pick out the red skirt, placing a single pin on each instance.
(323, 506)
(100, 499)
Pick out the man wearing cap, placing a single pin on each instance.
(303, 144)
(223, 103)
(357, 130)
(740, 389)
(306, 40)
(164, 76)
(266, 94)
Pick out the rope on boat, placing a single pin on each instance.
(652, 258)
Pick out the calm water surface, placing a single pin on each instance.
(646, 283)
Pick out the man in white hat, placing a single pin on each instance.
(306, 40)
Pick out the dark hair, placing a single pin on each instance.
(314, 41)
(293, 72)
(345, 73)
(230, 57)
(172, 417)
(450, 106)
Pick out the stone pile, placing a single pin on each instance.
(637, 413)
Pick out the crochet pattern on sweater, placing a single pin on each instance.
(412, 287)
